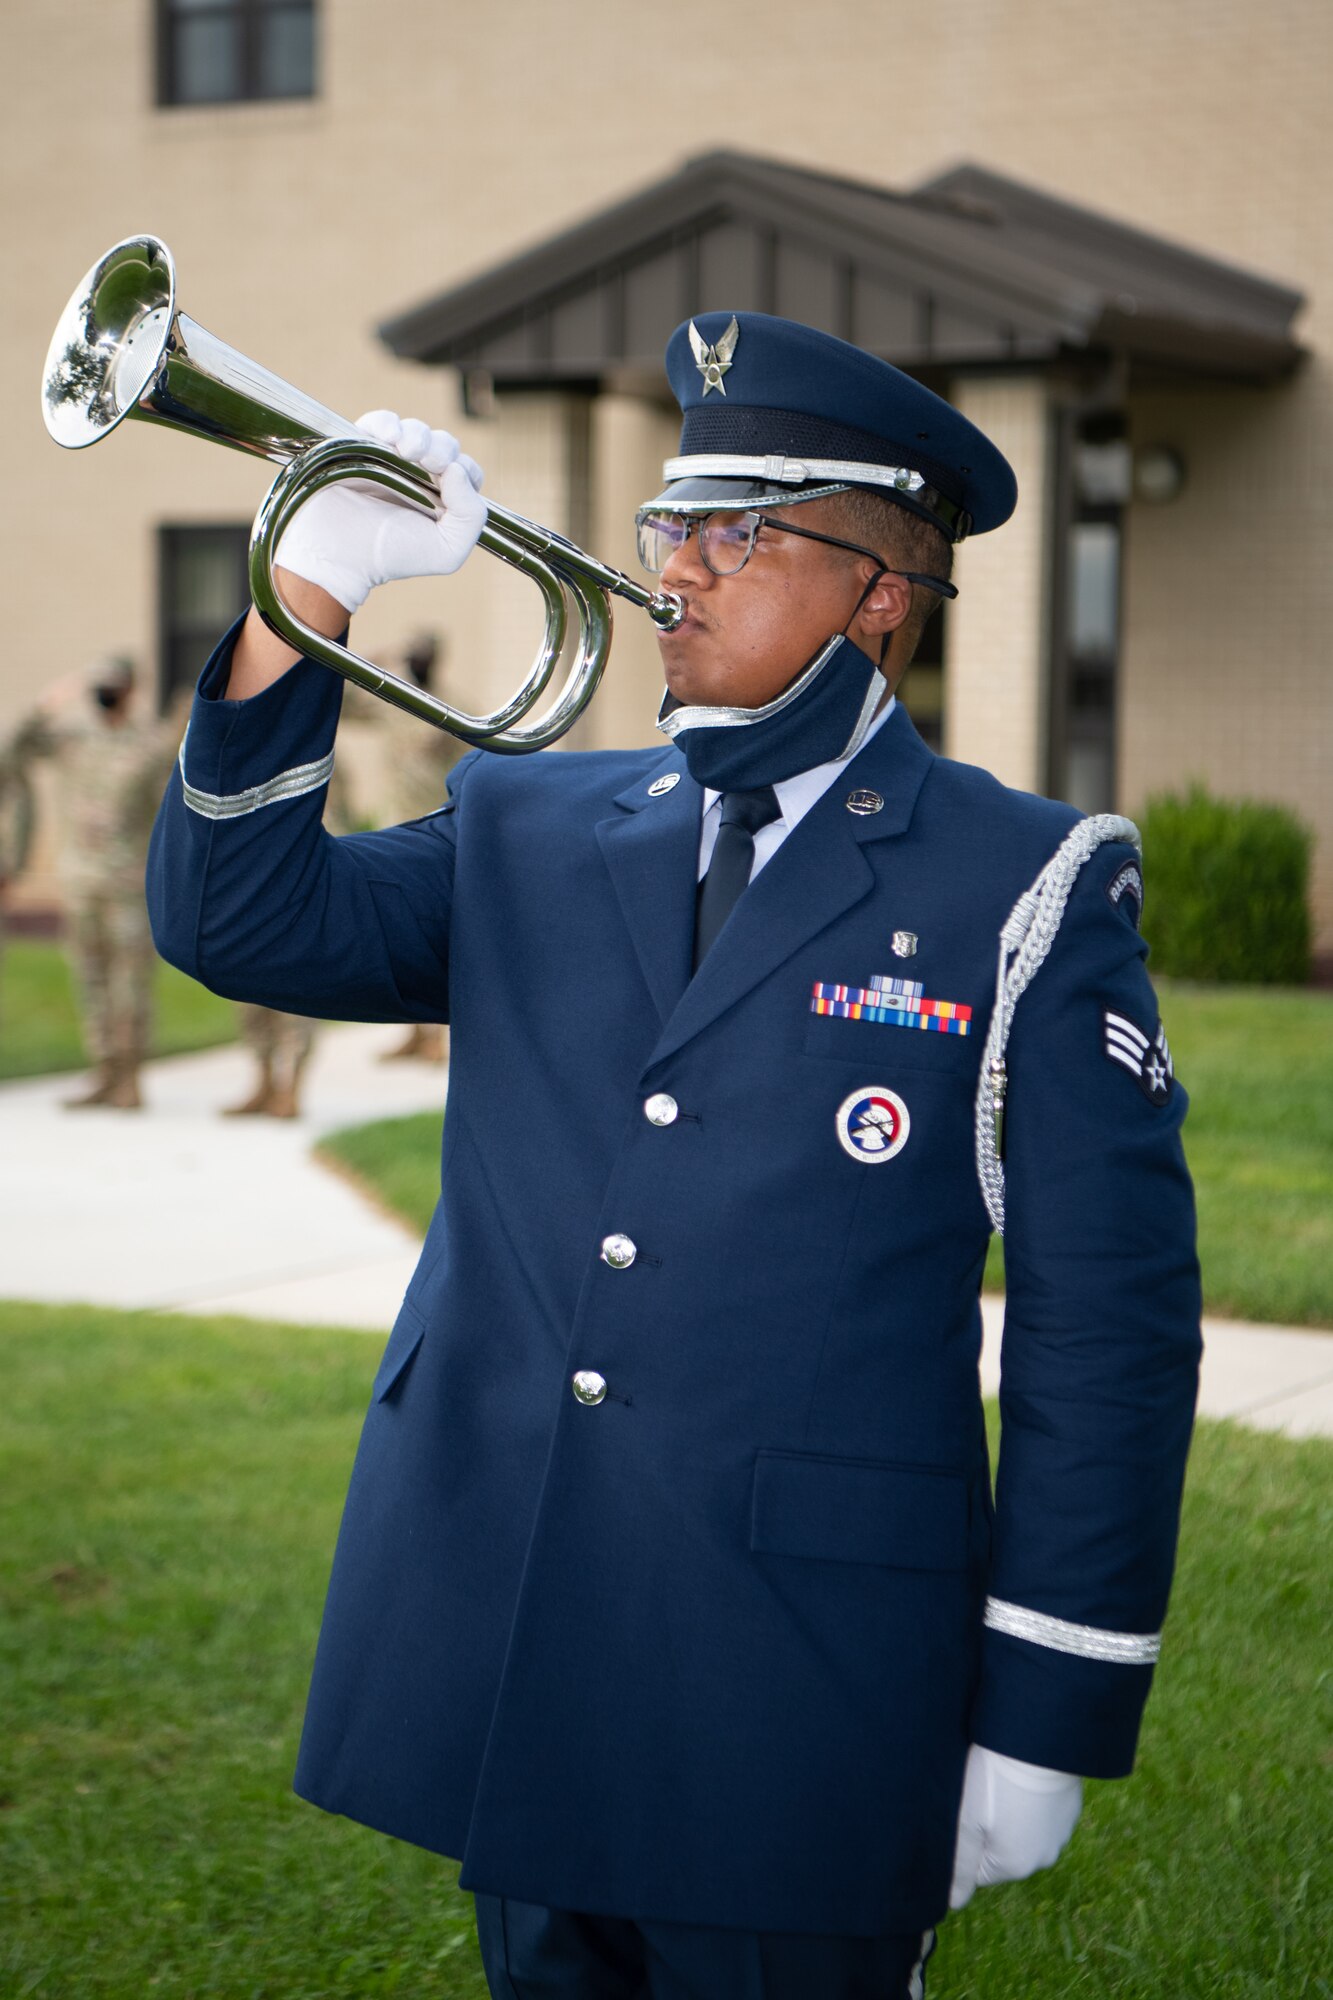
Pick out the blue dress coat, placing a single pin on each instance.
(712, 1650)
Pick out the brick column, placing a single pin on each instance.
(995, 665)
(631, 437)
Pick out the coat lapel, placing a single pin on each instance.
(820, 871)
(651, 848)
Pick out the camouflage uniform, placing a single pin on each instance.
(418, 760)
(112, 774)
(281, 1043)
(15, 826)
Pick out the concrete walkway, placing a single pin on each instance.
(178, 1208)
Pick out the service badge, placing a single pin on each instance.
(873, 1124)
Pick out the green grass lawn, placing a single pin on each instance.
(39, 1022)
(167, 1512)
(397, 1160)
(169, 1501)
(1258, 1066)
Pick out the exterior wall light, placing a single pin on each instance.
(1159, 474)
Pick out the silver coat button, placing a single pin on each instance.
(661, 1109)
(619, 1252)
(589, 1386)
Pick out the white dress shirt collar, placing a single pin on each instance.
(795, 798)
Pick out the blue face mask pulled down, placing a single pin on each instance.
(821, 715)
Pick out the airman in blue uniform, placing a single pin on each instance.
(671, 1596)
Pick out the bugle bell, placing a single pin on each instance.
(123, 349)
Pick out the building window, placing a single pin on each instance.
(227, 51)
(203, 584)
(1085, 654)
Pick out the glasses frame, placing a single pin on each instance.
(699, 521)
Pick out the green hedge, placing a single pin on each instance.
(1227, 889)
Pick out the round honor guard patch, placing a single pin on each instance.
(864, 803)
(873, 1124)
(666, 783)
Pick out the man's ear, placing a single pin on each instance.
(887, 606)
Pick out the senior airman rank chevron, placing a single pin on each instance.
(894, 1003)
(1148, 1061)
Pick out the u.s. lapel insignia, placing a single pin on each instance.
(666, 783)
(904, 944)
(714, 362)
(1147, 1061)
(873, 1124)
(864, 802)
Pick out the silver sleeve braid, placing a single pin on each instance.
(1026, 938)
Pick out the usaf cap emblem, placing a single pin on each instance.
(714, 362)
(873, 1124)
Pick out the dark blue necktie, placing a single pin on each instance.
(743, 813)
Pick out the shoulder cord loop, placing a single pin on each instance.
(1026, 938)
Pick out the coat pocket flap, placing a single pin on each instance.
(403, 1344)
(856, 1510)
(875, 1045)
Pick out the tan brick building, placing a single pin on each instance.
(1129, 287)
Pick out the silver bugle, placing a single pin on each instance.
(122, 349)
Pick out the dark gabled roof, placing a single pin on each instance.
(1154, 298)
(970, 269)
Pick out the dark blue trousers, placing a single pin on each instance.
(532, 1953)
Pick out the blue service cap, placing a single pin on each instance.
(777, 412)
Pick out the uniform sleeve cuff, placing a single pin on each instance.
(1060, 1709)
(239, 757)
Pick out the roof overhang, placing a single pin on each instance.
(969, 271)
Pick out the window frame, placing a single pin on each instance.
(245, 16)
(172, 631)
(1071, 724)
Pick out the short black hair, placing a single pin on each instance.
(906, 541)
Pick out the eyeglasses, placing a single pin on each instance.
(727, 539)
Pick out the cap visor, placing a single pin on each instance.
(705, 496)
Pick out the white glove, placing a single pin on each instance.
(1014, 1819)
(350, 537)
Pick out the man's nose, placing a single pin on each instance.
(686, 565)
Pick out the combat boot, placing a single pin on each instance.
(124, 1092)
(425, 1042)
(285, 1097)
(257, 1103)
(104, 1082)
(283, 1101)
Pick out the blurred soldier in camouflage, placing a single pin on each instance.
(15, 826)
(418, 761)
(281, 1043)
(112, 766)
